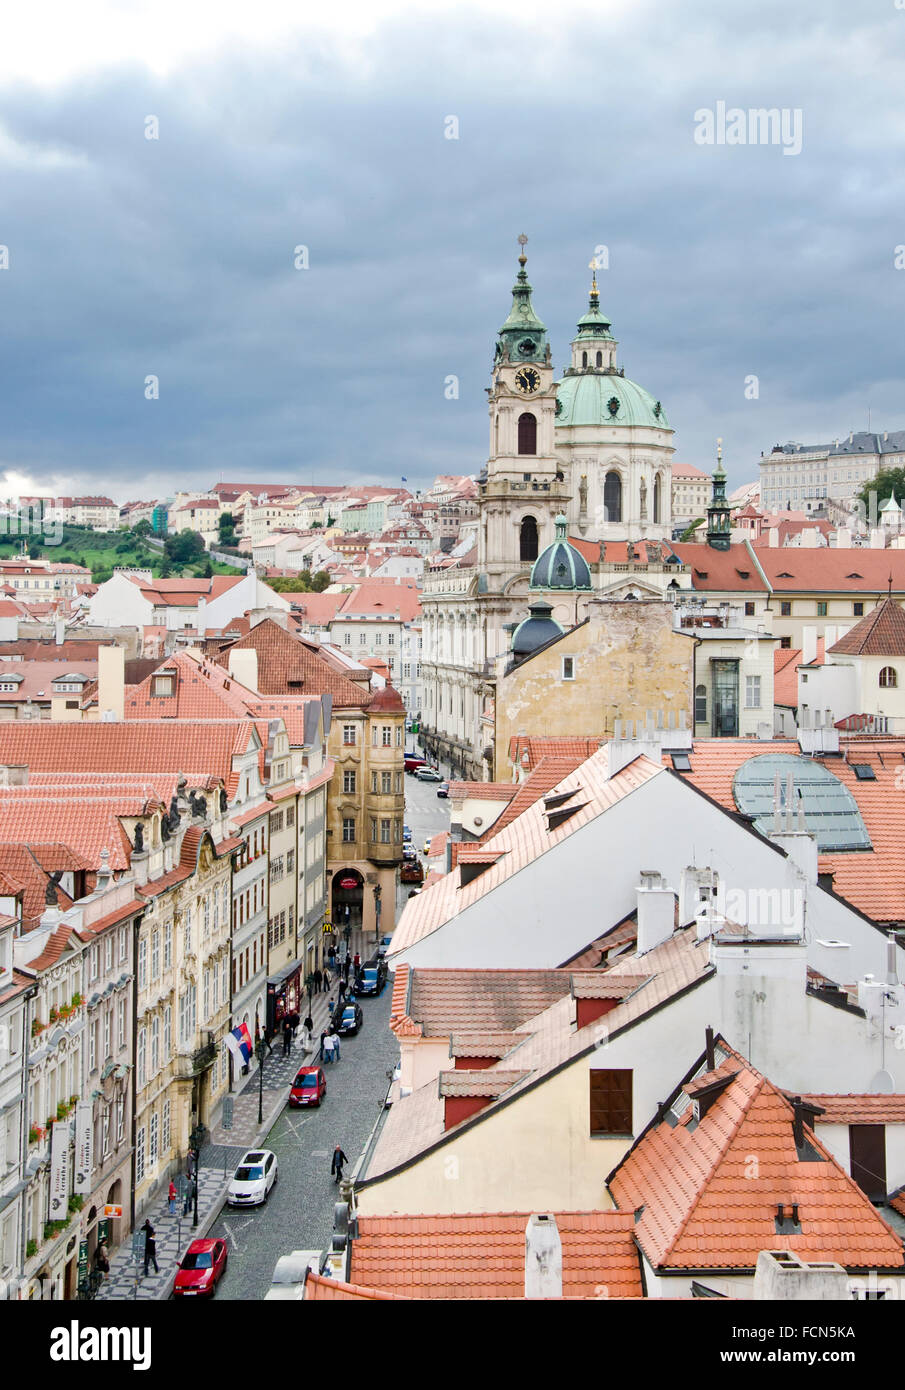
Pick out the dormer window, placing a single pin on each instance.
(164, 684)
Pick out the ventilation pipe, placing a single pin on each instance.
(543, 1257)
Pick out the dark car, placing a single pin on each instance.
(443, 789)
(373, 977)
(200, 1270)
(309, 1087)
(412, 871)
(347, 1018)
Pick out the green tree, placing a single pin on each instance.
(207, 569)
(34, 548)
(185, 548)
(689, 531)
(320, 582)
(226, 524)
(888, 482)
(142, 529)
(166, 569)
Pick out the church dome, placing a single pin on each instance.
(560, 566)
(604, 398)
(539, 627)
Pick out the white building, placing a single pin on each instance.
(804, 476)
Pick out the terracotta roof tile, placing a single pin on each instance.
(486, 1044)
(880, 633)
(704, 1208)
(482, 791)
(495, 1001)
(292, 665)
(859, 1109)
(323, 1289)
(486, 1081)
(482, 1255)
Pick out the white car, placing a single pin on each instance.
(253, 1179)
(288, 1283)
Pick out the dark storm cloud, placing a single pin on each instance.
(174, 257)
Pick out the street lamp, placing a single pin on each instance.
(377, 892)
(261, 1046)
(195, 1141)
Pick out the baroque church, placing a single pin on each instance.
(576, 467)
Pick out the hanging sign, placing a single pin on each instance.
(59, 1171)
(84, 1147)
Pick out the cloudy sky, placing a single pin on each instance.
(283, 125)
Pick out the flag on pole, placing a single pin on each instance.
(239, 1044)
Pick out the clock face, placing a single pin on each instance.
(527, 380)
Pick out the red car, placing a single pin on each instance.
(201, 1269)
(309, 1087)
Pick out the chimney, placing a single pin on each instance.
(111, 683)
(656, 911)
(201, 618)
(59, 631)
(773, 537)
(709, 1049)
(808, 645)
(243, 667)
(543, 1257)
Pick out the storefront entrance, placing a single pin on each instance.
(347, 900)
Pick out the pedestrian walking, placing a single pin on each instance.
(336, 1052)
(294, 1022)
(327, 979)
(341, 991)
(150, 1248)
(336, 1163)
(268, 1038)
(322, 1053)
(308, 1026)
(318, 981)
(102, 1260)
(356, 961)
(346, 968)
(189, 1194)
(331, 956)
(171, 1198)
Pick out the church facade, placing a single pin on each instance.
(589, 456)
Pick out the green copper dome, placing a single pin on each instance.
(560, 566)
(603, 398)
(594, 324)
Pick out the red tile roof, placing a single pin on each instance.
(526, 751)
(786, 661)
(705, 1207)
(482, 791)
(195, 747)
(291, 665)
(880, 633)
(829, 570)
(546, 774)
(482, 1255)
(872, 880)
(733, 569)
(859, 1109)
(480, 1001)
(323, 1289)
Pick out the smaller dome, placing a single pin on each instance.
(539, 627)
(386, 700)
(560, 566)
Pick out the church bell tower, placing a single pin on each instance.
(522, 488)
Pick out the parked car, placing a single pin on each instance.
(201, 1269)
(443, 789)
(384, 943)
(427, 846)
(308, 1088)
(409, 852)
(411, 762)
(373, 976)
(428, 774)
(255, 1176)
(412, 871)
(406, 834)
(288, 1281)
(347, 1018)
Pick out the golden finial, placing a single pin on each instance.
(592, 265)
(719, 451)
(523, 242)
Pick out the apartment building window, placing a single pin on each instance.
(348, 782)
(92, 963)
(888, 678)
(142, 962)
(752, 692)
(568, 668)
(406, 670)
(121, 1024)
(384, 832)
(155, 1046)
(187, 934)
(155, 953)
(223, 990)
(386, 783)
(610, 1101)
(141, 1058)
(373, 827)
(348, 829)
(167, 945)
(206, 996)
(167, 1032)
(397, 830)
(700, 704)
(108, 1019)
(290, 861)
(153, 1134)
(276, 868)
(347, 639)
(290, 816)
(276, 822)
(821, 608)
(785, 642)
(348, 735)
(785, 608)
(374, 783)
(140, 1157)
(108, 951)
(749, 609)
(120, 1114)
(386, 734)
(92, 1046)
(378, 639)
(858, 609)
(123, 944)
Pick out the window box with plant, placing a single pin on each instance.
(31, 1248)
(54, 1014)
(53, 1228)
(76, 1202)
(36, 1135)
(37, 1027)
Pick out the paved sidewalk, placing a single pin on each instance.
(219, 1157)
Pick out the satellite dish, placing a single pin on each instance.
(882, 1084)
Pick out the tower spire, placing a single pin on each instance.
(523, 337)
(719, 519)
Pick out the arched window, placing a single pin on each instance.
(700, 704)
(527, 540)
(888, 678)
(584, 359)
(612, 497)
(600, 359)
(656, 498)
(527, 434)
